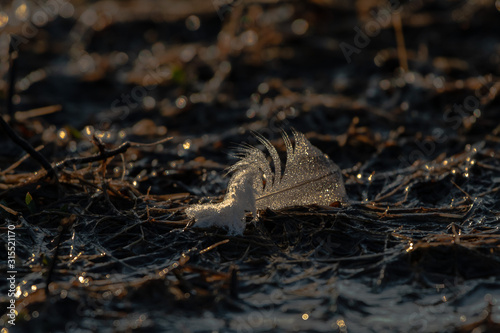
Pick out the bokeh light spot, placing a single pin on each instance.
(181, 102)
(22, 11)
(193, 23)
(4, 19)
(300, 26)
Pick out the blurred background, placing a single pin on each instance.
(350, 74)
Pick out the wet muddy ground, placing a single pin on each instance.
(402, 96)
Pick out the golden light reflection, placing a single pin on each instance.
(88, 130)
(34, 288)
(181, 102)
(22, 12)
(83, 280)
(71, 248)
(305, 316)
(76, 257)
(4, 19)
(18, 292)
(341, 323)
(187, 144)
(62, 134)
(359, 176)
(163, 272)
(410, 248)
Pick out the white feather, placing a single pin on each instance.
(310, 177)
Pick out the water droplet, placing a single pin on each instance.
(67, 10)
(250, 113)
(120, 58)
(88, 131)
(385, 84)
(22, 11)
(341, 323)
(193, 23)
(4, 19)
(405, 106)
(249, 38)
(86, 63)
(187, 54)
(263, 88)
(409, 77)
(181, 102)
(149, 102)
(62, 134)
(72, 146)
(300, 26)
(225, 67)
(89, 17)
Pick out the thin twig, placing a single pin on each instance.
(28, 148)
(400, 41)
(12, 134)
(63, 228)
(105, 154)
(21, 160)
